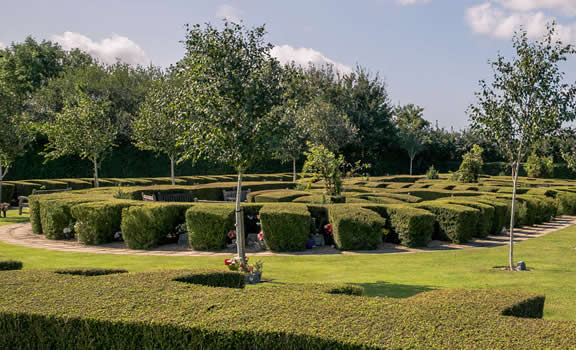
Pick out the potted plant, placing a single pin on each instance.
(253, 273)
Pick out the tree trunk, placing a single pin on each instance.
(172, 178)
(240, 244)
(1, 180)
(294, 174)
(411, 161)
(515, 170)
(95, 162)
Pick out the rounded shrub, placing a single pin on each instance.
(286, 227)
(97, 222)
(356, 228)
(147, 226)
(412, 226)
(455, 223)
(208, 225)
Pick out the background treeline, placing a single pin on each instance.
(37, 77)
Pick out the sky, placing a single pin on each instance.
(429, 52)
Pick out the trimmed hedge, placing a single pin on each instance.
(215, 279)
(455, 223)
(8, 265)
(501, 213)
(152, 311)
(97, 222)
(208, 225)
(413, 227)
(286, 227)
(270, 196)
(485, 218)
(356, 228)
(566, 203)
(55, 215)
(145, 227)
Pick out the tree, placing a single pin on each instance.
(232, 84)
(539, 166)
(526, 101)
(412, 130)
(83, 129)
(471, 165)
(157, 127)
(291, 140)
(321, 164)
(326, 125)
(15, 136)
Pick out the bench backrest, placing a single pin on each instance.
(148, 198)
(35, 191)
(230, 196)
(176, 197)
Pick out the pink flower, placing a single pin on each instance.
(261, 236)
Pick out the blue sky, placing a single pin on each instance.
(430, 52)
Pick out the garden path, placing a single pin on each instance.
(22, 235)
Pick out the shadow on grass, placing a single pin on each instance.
(392, 290)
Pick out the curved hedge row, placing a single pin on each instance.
(358, 216)
(85, 316)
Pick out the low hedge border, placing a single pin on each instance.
(173, 315)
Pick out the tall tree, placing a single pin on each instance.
(526, 101)
(325, 124)
(157, 127)
(233, 84)
(15, 135)
(413, 130)
(82, 129)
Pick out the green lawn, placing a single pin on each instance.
(552, 259)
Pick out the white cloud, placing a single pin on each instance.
(501, 23)
(304, 57)
(229, 13)
(412, 2)
(107, 50)
(566, 7)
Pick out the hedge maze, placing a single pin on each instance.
(214, 310)
(407, 210)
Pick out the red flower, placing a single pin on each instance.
(261, 236)
(227, 261)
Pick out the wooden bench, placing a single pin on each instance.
(230, 196)
(169, 197)
(23, 200)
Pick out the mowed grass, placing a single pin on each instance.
(552, 260)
